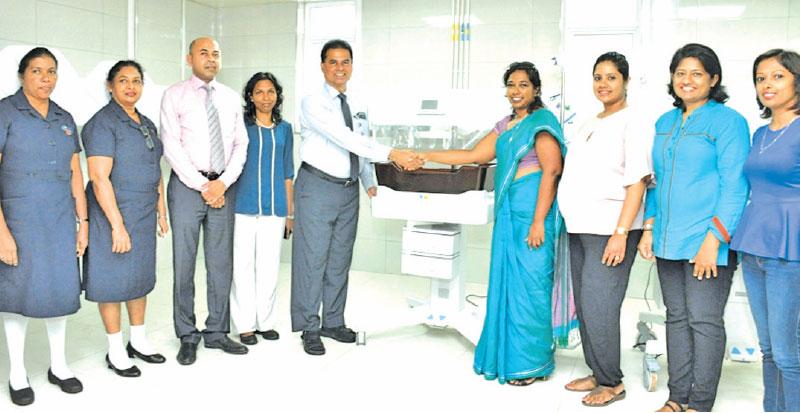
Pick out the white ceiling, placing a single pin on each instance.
(234, 3)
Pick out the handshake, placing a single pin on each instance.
(407, 159)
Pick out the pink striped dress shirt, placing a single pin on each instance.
(184, 131)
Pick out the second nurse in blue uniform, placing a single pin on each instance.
(126, 198)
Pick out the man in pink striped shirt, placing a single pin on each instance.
(205, 143)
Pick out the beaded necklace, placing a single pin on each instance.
(762, 148)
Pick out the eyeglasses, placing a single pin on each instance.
(148, 140)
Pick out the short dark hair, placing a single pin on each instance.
(533, 76)
(710, 63)
(33, 54)
(335, 44)
(247, 94)
(112, 73)
(791, 61)
(618, 59)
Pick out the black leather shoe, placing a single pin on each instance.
(129, 372)
(269, 334)
(187, 354)
(21, 397)
(341, 334)
(249, 339)
(312, 343)
(227, 345)
(71, 385)
(150, 358)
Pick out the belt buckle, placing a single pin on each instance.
(348, 182)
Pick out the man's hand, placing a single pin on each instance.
(372, 191)
(212, 191)
(217, 203)
(407, 159)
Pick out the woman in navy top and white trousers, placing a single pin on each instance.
(41, 188)
(768, 235)
(264, 210)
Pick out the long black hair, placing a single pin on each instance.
(533, 76)
(710, 63)
(250, 107)
(791, 61)
(33, 54)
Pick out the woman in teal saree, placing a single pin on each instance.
(516, 343)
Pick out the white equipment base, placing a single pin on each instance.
(437, 251)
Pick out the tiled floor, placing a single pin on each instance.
(400, 368)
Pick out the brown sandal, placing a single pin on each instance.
(672, 406)
(587, 378)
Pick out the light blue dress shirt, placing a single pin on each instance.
(327, 141)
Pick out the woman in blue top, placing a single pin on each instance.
(126, 199)
(41, 192)
(516, 343)
(769, 233)
(697, 198)
(264, 210)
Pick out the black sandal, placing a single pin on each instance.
(526, 381)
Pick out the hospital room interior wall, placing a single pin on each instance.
(257, 39)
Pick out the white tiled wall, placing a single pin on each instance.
(737, 41)
(257, 39)
(86, 31)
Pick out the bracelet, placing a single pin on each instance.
(290, 216)
(79, 220)
(647, 227)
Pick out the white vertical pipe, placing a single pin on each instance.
(461, 45)
(131, 52)
(454, 39)
(184, 52)
(468, 42)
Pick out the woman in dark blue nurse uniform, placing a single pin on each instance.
(126, 199)
(41, 194)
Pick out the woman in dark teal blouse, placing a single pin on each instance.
(264, 210)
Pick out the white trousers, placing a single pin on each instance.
(256, 261)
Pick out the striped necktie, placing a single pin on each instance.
(217, 151)
(348, 120)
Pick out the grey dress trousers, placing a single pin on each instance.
(37, 202)
(136, 172)
(189, 213)
(326, 218)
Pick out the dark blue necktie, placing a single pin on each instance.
(348, 120)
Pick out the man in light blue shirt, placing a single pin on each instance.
(335, 153)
